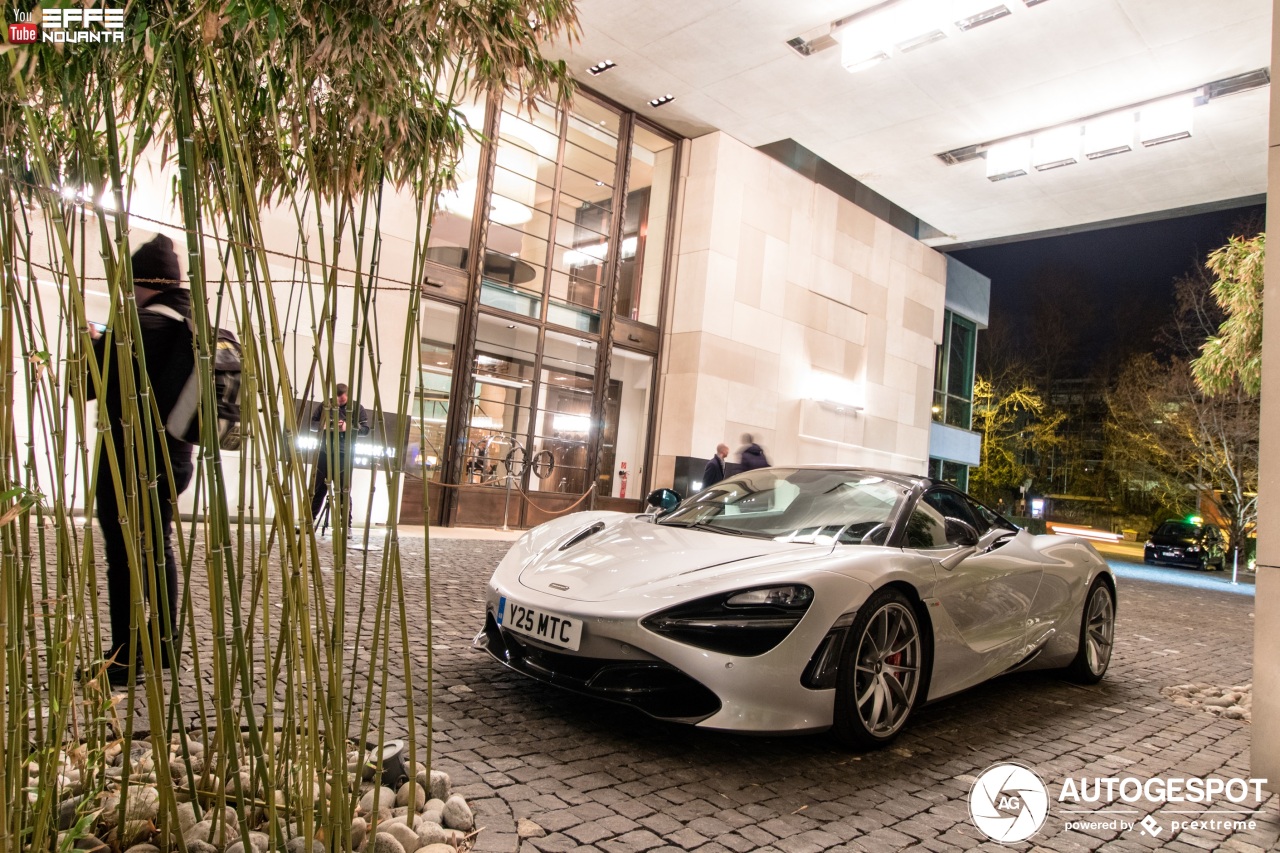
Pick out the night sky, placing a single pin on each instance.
(1114, 285)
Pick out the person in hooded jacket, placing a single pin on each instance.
(751, 456)
(163, 311)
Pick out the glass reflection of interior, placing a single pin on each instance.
(644, 226)
(626, 414)
(427, 443)
(451, 227)
(501, 400)
(519, 229)
(564, 427)
(579, 266)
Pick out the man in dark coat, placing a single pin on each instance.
(752, 455)
(339, 417)
(714, 472)
(163, 309)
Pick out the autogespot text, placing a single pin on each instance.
(1130, 789)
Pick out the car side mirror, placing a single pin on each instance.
(960, 532)
(663, 500)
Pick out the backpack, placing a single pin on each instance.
(183, 422)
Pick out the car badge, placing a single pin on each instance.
(559, 586)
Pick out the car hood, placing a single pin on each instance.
(631, 554)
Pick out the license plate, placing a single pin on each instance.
(550, 628)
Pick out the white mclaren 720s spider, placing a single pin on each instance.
(797, 599)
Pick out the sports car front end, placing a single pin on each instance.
(683, 624)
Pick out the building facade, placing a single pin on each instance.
(609, 302)
(953, 445)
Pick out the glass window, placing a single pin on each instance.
(644, 226)
(952, 505)
(594, 127)
(953, 372)
(627, 401)
(955, 473)
(426, 452)
(501, 400)
(793, 505)
(451, 228)
(960, 358)
(926, 528)
(563, 435)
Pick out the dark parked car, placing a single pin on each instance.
(1182, 543)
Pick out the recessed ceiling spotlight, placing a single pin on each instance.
(601, 67)
(665, 99)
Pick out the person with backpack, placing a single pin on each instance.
(338, 420)
(164, 312)
(752, 455)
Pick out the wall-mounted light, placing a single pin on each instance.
(840, 395)
(840, 407)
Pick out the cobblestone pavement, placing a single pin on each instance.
(595, 776)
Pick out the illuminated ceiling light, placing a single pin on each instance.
(1030, 3)
(600, 68)
(1165, 121)
(920, 41)
(868, 39)
(665, 99)
(986, 16)
(1108, 135)
(1009, 159)
(1056, 148)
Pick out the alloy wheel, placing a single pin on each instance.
(1099, 630)
(887, 669)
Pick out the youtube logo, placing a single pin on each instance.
(23, 33)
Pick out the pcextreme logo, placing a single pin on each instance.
(1008, 803)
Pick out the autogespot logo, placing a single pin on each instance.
(1008, 803)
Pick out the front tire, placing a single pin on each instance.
(882, 672)
(1097, 635)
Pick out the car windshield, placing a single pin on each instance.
(796, 505)
(1177, 529)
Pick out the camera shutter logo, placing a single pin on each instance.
(1008, 803)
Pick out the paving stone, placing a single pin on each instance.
(602, 777)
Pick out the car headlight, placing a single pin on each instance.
(742, 622)
(1194, 549)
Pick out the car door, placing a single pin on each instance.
(981, 603)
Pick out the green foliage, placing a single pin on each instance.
(1173, 446)
(311, 108)
(1234, 355)
(1017, 430)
